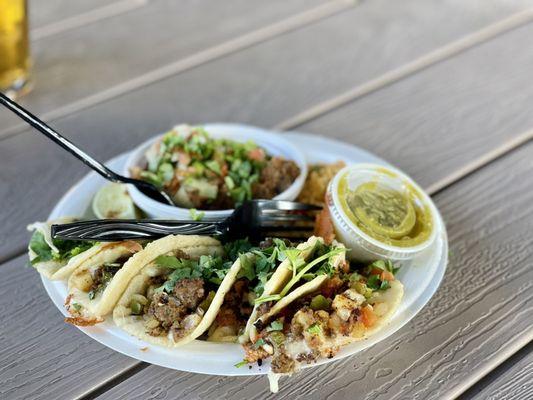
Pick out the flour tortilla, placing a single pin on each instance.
(276, 283)
(57, 270)
(88, 311)
(140, 281)
(306, 288)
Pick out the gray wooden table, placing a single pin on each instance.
(441, 88)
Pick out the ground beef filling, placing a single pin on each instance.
(236, 308)
(177, 312)
(102, 275)
(276, 176)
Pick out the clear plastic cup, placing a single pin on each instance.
(364, 243)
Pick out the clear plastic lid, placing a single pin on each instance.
(379, 212)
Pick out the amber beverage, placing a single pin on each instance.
(14, 47)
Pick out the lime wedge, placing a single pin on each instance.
(385, 212)
(113, 201)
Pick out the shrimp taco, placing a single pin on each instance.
(325, 304)
(56, 258)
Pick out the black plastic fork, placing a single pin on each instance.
(254, 219)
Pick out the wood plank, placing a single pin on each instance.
(54, 359)
(43, 13)
(476, 99)
(96, 57)
(482, 310)
(511, 380)
(263, 86)
(91, 16)
(72, 85)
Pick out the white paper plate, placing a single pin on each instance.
(420, 277)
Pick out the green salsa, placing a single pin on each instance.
(396, 218)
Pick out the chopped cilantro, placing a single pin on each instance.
(241, 364)
(315, 329)
(195, 215)
(67, 248)
(275, 326)
(260, 342)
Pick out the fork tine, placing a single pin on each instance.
(285, 205)
(284, 218)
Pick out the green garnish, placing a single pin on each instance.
(191, 153)
(204, 305)
(67, 248)
(275, 326)
(384, 265)
(318, 266)
(195, 215)
(315, 329)
(260, 342)
(325, 257)
(319, 302)
(136, 307)
(241, 364)
(76, 306)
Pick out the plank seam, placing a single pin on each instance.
(480, 162)
(230, 46)
(86, 18)
(509, 363)
(503, 355)
(113, 381)
(433, 57)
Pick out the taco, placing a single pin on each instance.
(279, 279)
(96, 285)
(260, 267)
(179, 298)
(56, 258)
(337, 305)
(175, 289)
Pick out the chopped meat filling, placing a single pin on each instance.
(178, 311)
(276, 176)
(189, 292)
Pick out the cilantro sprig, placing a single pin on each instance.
(67, 248)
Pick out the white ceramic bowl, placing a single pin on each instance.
(362, 246)
(274, 144)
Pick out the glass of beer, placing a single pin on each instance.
(14, 48)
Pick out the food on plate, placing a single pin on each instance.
(96, 285)
(112, 201)
(279, 279)
(56, 258)
(316, 183)
(379, 212)
(325, 305)
(207, 173)
(175, 293)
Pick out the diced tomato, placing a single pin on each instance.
(387, 276)
(324, 226)
(368, 317)
(256, 154)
